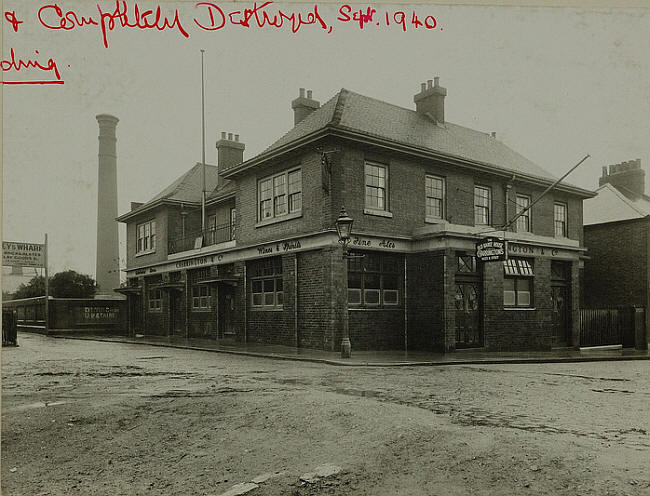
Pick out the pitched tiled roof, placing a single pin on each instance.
(187, 188)
(610, 205)
(375, 118)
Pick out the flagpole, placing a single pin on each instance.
(203, 148)
(47, 292)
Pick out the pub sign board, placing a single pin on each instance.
(23, 254)
(491, 250)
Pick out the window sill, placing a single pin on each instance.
(142, 253)
(275, 220)
(378, 213)
(525, 309)
(434, 220)
(396, 307)
(201, 310)
(262, 309)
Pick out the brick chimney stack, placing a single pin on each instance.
(431, 100)
(303, 106)
(628, 177)
(108, 267)
(230, 152)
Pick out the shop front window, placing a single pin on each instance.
(375, 280)
(155, 300)
(201, 299)
(518, 283)
(266, 284)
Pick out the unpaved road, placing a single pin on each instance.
(91, 418)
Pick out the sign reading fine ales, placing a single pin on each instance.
(23, 254)
(490, 250)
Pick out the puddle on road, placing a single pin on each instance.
(32, 406)
(357, 392)
(151, 357)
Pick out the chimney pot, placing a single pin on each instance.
(436, 81)
(423, 87)
(230, 136)
(302, 92)
(429, 82)
(236, 137)
(223, 135)
(309, 94)
(494, 134)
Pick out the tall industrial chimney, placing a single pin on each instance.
(108, 266)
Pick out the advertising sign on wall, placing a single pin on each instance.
(490, 250)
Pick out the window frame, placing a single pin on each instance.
(518, 270)
(383, 275)
(154, 304)
(488, 207)
(283, 191)
(148, 237)
(201, 302)
(564, 220)
(442, 199)
(368, 206)
(233, 219)
(527, 215)
(270, 272)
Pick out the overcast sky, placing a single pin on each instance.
(554, 84)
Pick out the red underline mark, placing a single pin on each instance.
(33, 82)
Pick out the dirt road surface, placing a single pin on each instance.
(91, 418)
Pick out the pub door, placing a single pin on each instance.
(135, 314)
(468, 315)
(225, 310)
(177, 313)
(560, 302)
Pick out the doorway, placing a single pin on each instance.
(177, 313)
(225, 310)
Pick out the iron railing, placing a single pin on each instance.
(608, 326)
(199, 239)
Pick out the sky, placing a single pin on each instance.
(554, 84)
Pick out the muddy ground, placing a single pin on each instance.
(91, 418)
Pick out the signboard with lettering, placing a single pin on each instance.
(490, 250)
(23, 254)
(97, 315)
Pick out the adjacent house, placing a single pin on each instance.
(617, 236)
(422, 191)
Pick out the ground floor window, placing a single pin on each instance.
(155, 300)
(201, 299)
(375, 280)
(518, 283)
(266, 285)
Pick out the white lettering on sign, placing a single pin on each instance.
(23, 254)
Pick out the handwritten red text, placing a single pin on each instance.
(18, 65)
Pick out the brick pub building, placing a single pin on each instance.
(421, 191)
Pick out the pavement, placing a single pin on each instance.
(370, 358)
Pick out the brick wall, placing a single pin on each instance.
(517, 329)
(160, 216)
(314, 271)
(616, 271)
(312, 192)
(376, 329)
(425, 300)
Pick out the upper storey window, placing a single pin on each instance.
(560, 220)
(376, 186)
(435, 197)
(523, 221)
(482, 202)
(146, 237)
(280, 194)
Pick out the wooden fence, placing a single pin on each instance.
(609, 326)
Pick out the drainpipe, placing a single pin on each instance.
(406, 319)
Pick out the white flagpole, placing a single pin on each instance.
(47, 292)
(203, 147)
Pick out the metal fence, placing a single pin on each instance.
(608, 326)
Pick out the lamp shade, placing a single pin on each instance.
(344, 225)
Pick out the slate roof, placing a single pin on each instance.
(610, 205)
(372, 117)
(187, 188)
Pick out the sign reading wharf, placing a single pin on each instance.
(490, 250)
(23, 254)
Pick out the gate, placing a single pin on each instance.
(608, 326)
